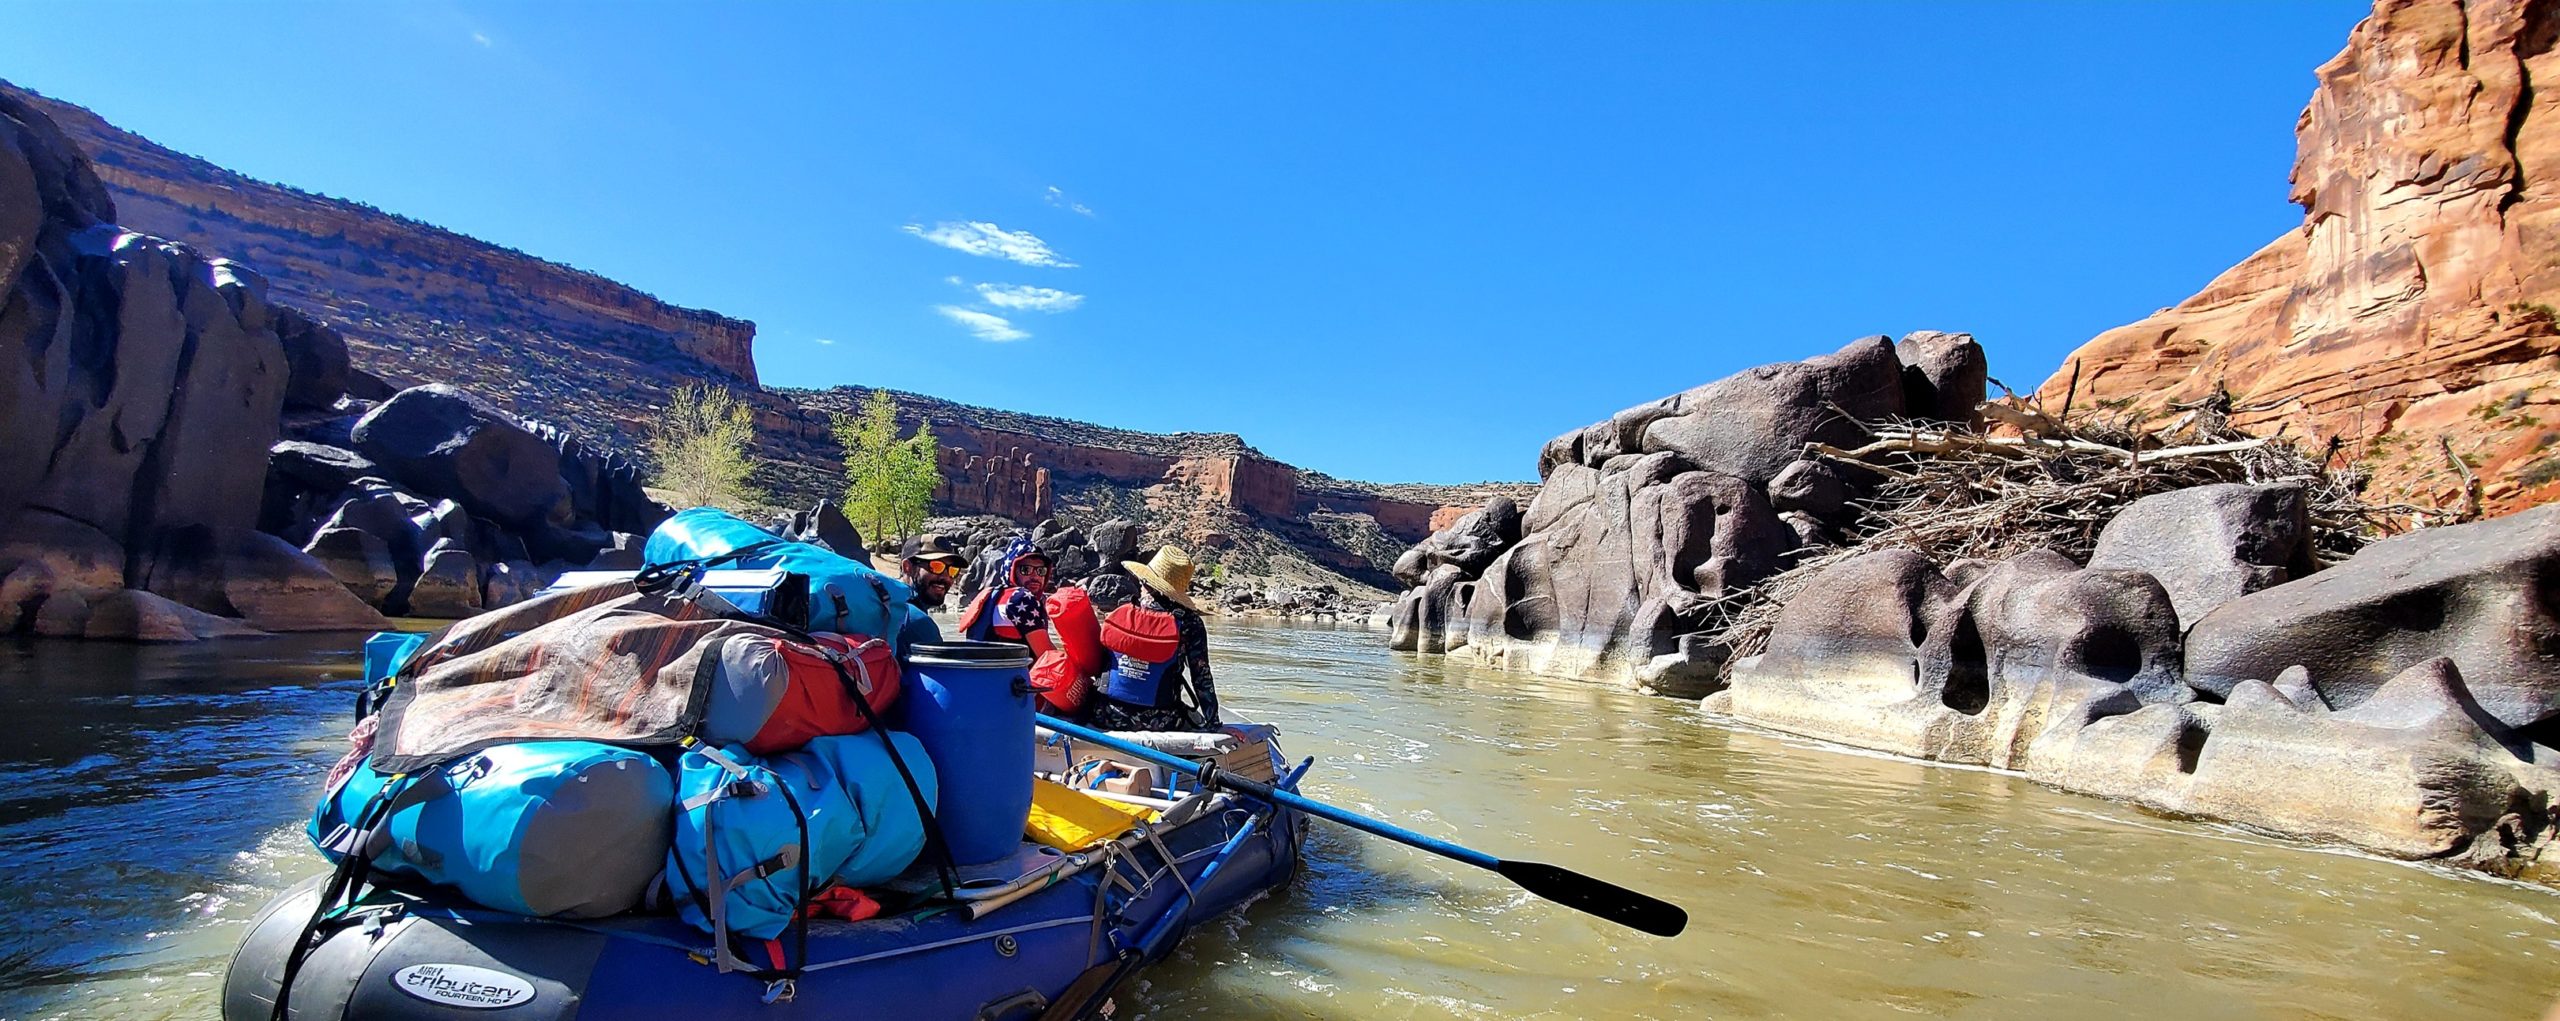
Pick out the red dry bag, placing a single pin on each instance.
(773, 693)
(1079, 631)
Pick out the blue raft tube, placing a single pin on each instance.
(1008, 943)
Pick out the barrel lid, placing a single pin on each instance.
(977, 654)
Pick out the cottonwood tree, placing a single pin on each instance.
(889, 481)
(701, 447)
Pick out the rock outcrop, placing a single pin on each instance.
(1646, 519)
(142, 384)
(184, 456)
(2411, 316)
(2400, 701)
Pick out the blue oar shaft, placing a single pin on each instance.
(1277, 796)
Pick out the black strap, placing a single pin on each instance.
(657, 578)
(944, 868)
(940, 849)
(346, 883)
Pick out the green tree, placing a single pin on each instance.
(701, 447)
(889, 481)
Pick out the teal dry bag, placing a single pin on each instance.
(754, 835)
(570, 828)
(844, 596)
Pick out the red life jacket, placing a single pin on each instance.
(1151, 635)
(1145, 643)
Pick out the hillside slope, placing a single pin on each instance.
(418, 303)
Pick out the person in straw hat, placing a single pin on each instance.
(1159, 677)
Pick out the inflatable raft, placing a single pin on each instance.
(1043, 934)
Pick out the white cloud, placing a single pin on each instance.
(482, 38)
(1058, 198)
(1028, 298)
(982, 325)
(825, 342)
(978, 237)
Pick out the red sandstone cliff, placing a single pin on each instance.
(2412, 310)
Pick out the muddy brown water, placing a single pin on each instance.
(154, 795)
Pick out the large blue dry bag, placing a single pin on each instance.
(568, 828)
(751, 831)
(845, 596)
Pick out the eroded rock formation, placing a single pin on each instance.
(184, 458)
(2411, 315)
(1645, 519)
(2398, 701)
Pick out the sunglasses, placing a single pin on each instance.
(938, 567)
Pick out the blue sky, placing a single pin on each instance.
(1392, 242)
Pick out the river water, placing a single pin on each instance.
(154, 799)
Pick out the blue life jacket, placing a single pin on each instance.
(1139, 682)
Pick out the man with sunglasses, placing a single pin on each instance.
(931, 564)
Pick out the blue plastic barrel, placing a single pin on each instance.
(970, 704)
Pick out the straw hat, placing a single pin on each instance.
(1169, 574)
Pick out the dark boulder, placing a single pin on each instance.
(264, 580)
(1943, 376)
(318, 468)
(1071, 562)
(360, 560)
(1471, 542)
(441, 442)
(1115, 541)
(365, 386)
(1813, 487)
(1752, 424)
(828, 523)
(1111, 590)
(2209, 545)
(136, 616)
(315, 360)
(448, 584)
(2484, 595)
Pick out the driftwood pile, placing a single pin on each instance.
(2031, 480)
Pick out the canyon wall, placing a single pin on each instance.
(2410, 318)
(415, 304)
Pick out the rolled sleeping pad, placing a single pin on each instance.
(845, 596)
(970, 704)
(773, 694)
(568, 828)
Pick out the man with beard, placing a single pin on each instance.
(931, 564)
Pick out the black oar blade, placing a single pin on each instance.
(1591, 896)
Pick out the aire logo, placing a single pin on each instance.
(461, 985)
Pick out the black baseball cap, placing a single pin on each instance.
(930, 545)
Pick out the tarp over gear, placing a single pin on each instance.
(604, 664)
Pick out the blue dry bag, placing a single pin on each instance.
(753, 834)
(845, 597)
(569, 828)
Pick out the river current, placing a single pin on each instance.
(154, 797)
